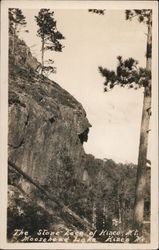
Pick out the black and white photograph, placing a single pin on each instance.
(79, 125)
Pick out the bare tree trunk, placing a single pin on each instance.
(42, 55)
(94, 216)
(14, 34)
(142, 158)
(120, 213)
(13, 39)
(104, 215)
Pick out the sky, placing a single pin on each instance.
(90, 41)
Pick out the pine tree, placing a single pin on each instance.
(49, 35)
(128, 73)
(144, 16)
(16, 20)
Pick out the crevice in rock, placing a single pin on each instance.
(16, 101)
(19, 145)
(84, 136)
(27, 121)
(52, 119)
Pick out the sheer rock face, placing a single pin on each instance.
(22, 54)
(45, 122)
(44, 127)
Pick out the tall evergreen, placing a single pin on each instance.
(16, 20)
(50, 36)
(144, 16)
(128, 73)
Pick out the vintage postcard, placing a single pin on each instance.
(79, 125)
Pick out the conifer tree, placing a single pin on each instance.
(128, 73)
(50, 36)
(16, 20)
(144, 16)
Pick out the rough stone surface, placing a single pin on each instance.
(45, 122)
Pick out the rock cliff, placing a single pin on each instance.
(46, 123)
(46, 130)
(47, 127)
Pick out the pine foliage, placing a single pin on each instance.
(48, 30)
(97, 11)
(16, 18)
(143, 15)
(128, 73)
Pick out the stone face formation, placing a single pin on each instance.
(46, 124)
